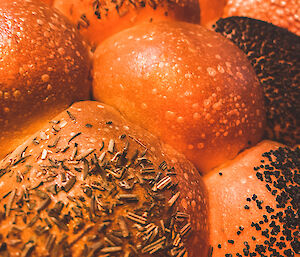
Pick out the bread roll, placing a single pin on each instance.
(91, 183)
(274, 53)
(254, 203)
(98, 20)
(283, 13)
(191, 87)
(211, 11)
(49, 2)
(44, 67)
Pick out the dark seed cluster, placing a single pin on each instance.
(279, 227)
(275, 55)
(113, 197)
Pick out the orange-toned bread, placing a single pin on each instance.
(274, 54)
(98, 20)
(211, 10)
(92, 184)
(254, 203)
(44, 67)
(188, 85)
(283, 13)
(49, 2)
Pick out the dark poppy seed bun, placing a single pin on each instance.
(44, 67)
(92, 184)
(190, 86)
(275, 55)
(98, 20)
(254, 203)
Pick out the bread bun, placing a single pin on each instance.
(281, 13)
(98, 20)
(44, 67)
(274, 53)
(48, 2)
(90, 183)
(191, 87)
(254, 203)
(211, 11)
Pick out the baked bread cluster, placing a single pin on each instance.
(129, 129)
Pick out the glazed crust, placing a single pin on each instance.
(44, 68)
(191, 87)
(90, 181)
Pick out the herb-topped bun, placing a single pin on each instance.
(186, 84)
(92, 184)
(281, 13)
(274, 53)
(254, 203)
(44, 67)
(98, 20)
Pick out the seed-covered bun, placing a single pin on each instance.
(188, 85)
(283, 13)
(98, 20)
(254, 203)
(44, 67)
(92, 184)
(275, 55)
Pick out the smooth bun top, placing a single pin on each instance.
(281, 13)
(254, 203)
(90, 183)
(189, 85)
(44, 67)
(98, 20)
(274, 53)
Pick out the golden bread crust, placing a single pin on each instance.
(90, 168)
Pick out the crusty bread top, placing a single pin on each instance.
(44, 68)
(98, 20)
(254, 203)
(91, 182)
(189, 86)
